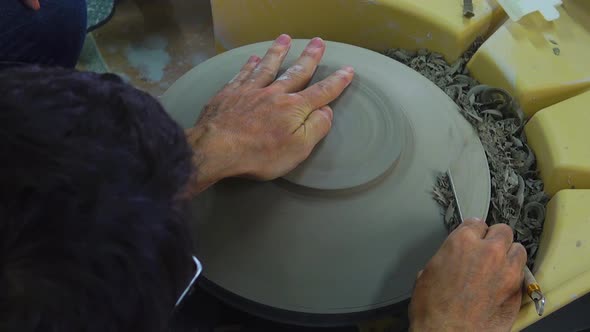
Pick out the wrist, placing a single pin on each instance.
(212, 161)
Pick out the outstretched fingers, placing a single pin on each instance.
(266, 71)
(325, 91)
(244, 73)
(300, 73)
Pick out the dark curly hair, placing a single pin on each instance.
(92, 235)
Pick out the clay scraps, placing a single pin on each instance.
(517, 196)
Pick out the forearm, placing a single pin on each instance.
(211, 160)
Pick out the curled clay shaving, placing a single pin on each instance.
(517, 192)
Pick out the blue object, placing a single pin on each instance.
(53, 35)
(99, 12)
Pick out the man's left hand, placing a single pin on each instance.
(262, 128)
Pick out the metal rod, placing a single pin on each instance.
(468, 8)
(452, 183)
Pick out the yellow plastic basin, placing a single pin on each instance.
(374, 24)
(539, 62)
(562, 267)
(560, 138)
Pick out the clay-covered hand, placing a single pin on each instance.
(33, 4)
(473, 283)
(261, 127)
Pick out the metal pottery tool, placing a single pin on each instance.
(531, 285)
(533, 290)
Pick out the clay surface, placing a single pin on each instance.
(366, 139)
(348, 230)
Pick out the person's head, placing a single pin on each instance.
(92, 235)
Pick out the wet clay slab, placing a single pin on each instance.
(347, 231)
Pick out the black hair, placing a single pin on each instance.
(92, 230)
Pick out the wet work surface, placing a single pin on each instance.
(152, 43)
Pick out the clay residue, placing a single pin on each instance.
(517, 196)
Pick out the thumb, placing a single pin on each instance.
(33, 4)
(318, 125)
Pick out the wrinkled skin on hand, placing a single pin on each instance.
(473, 283)
(262, 128)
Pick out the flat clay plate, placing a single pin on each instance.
(347, 231)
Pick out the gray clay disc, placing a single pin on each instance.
(347, 231)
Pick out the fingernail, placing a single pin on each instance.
(284, 39)
(253, 59)
(348, 69)
(328, 113)
(317, 42)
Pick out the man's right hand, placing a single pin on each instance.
(473, 283)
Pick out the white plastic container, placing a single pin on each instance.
(516, 9)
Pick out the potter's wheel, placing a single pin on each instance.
(347, 231)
